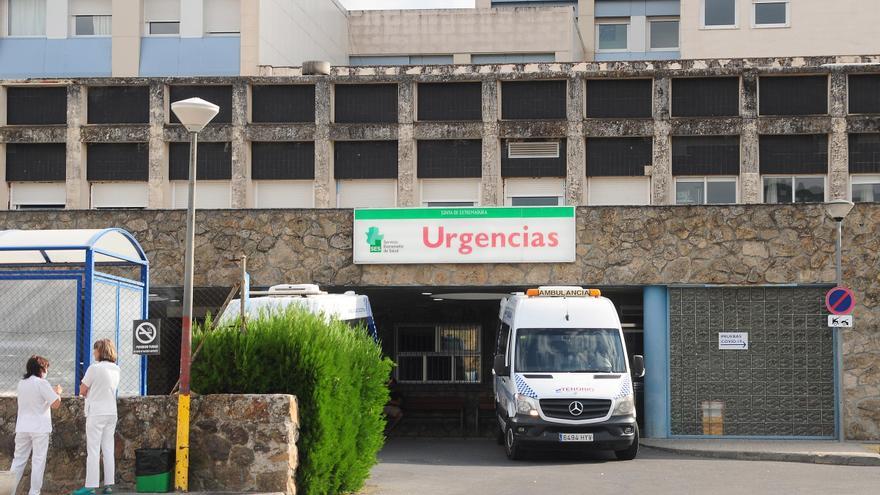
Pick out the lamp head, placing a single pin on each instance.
(838, 209)
(194, 113)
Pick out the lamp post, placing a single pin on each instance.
(194, 114)
(837, 210)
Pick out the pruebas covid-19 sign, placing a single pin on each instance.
(465, 235)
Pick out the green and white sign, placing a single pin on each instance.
(465, 235)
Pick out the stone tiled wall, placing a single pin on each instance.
(237, 442)
(739, 245)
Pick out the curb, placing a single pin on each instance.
(808, 458)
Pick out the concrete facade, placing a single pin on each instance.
(576, 128)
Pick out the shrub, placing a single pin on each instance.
(337, 373)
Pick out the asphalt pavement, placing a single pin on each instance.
(479, 466)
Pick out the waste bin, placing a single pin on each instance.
(713, 417)
(153, 470)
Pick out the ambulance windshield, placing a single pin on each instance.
(569, 350)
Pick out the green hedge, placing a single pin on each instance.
(337, 373)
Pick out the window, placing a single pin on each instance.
(284, 194)
(213, 161)
(705, 155)
(864, 93)
(222, 16)
(119, 104)
(92, 25)
(365, 159)
(36, 105)
(545, 191)
(117, 161)
(283, 103)
(663, 34)
(705, 190)
(865, 188)
(618, 156)
(797, 189)
(450, 101)
(438, 353)
(27, 17)
(864, 153)
(113, 195)
(211, 194)
(719, 13)
(619, 98)
(162, 17)
(705, 97)
(293, 160)
(608, 191)
(527, 100)
(371, 60)
(793, 95)
(32, 162)
(512, 58)
(533, 158)
(612, 36)
(37, 195)
(799, 154)
(365, 103)
(771, 13)
(450, 192)
(367, 193)
(449, 158)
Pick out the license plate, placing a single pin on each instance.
(575, 437)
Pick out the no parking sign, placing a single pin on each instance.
(840, 301)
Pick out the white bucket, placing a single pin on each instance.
(7, 482)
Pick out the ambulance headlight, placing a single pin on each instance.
(625, 406)
(526, 405)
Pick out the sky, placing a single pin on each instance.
(405, 4)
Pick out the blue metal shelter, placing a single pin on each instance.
(60, 291)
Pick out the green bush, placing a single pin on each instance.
(337, 373)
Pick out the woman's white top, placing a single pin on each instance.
(35, 396)
(102, 378)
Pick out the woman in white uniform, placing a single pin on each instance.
(99, 387)
(33, 426)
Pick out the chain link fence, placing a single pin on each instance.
(115, 306)
(39, 317)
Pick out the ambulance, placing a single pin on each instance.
(561, 374)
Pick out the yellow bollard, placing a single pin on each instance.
(181, 463)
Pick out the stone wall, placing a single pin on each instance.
(739, 245)
(237, 442)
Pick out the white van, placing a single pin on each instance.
(349, 307)
(561, 373)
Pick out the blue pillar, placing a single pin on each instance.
(656, 313)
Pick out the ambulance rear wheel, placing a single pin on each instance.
(630, 452)
(512, 446)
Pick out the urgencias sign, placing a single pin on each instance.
(465, 235)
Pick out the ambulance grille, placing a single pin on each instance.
(560, 408)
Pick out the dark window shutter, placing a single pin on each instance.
(119, 104)
(36, 105)
(450, 158)
(283, 161)
(624, 157)
(117, 161)
(619, 98)
(366, 103)
(31, 162)
(705, 97)
(450, 101)
(793, 154)
(864, 93)
(793, 95)
(533, 167)
(705, 155)
(213, 161)
(289, 103)
(864, 153)
(365, 159)
(523, 100)
(218, 95)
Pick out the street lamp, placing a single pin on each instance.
(194, 114)
(837, 210)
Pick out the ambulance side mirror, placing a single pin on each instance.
(638, 366)
(499, 367)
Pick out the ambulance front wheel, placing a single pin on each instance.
(630, 452)
(512, 446)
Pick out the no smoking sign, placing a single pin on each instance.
(146, 339)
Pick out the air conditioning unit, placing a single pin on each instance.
(533, 149)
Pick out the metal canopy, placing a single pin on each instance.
(35, 247)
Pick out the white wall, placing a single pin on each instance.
(817, 27)
(291, 31)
